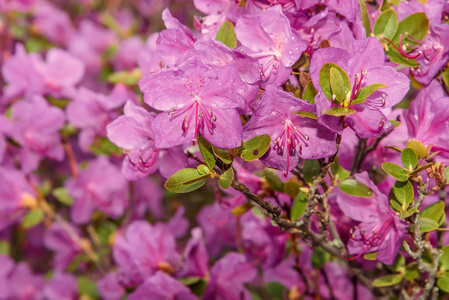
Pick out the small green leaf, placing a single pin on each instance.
(87, 287)
(446, 173)
(203, 169)
(33, 218)
(222, 154)
(418, 147)
(443, 282)
(275, 290)
(291, 188)
(388, 280)
(68, 130)
(126, 77)
(325, 80)
(299, 206)
(226, 35)
(338, 111)
(62, 196)
(365, 17)
(185, 180)
(445, 76)
(240, 210)
(189, 280)
(419, 169)
(395, 123)
(103, 146)
(355, 188)
(255, 147)
(337, 84)
(409, 159)
(386, 24)
(395, 171)
(339, 171)
(320, 258)
(306, 114)
(370, 256)
(273, 180)
(411, 271)
(105, 230)
(403, 190)
(5, 248)
(408, 212)
(395, 205)
(61, 103)
(366, 92)
(434, 212)
(226, 179)
(309, 93)
(427, 225)
(444, 259)
(206, 152)
(311, 169)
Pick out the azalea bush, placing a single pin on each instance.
(258, 149)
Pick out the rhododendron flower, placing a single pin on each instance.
(270, 39)
(62, 286)
(195, 98)
(380, 230)
(292, 136)
(196, 258)
(364, 65)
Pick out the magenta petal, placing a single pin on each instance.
(168, 131)
(365, 54)
(368, 121)
(227, 131)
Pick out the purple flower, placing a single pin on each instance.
(24, 284)
(36, 127)
(93, 190)
(364, 65)
(228, 276)
(428, 119)
(7, 266)
(379, 228)
(270, 39)
(196, 258)
(143, 250)
(195, 98)
(61, 286)
(292, 136)
(110, 288)
(162, 287)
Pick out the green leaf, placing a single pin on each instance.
(443, 282)
(365, 17)
(126, 77)
(337, 84)
(395, 123)
(434, 212)
(395, 171)
(326, 84)
(186, 180)
(418, 147)
(275, 290)
(355, 188)
(189, 280)
(87, 287)
(33, 218)
(62, 196)
(409, 159)
(427, 225)
(68, 130)
(411, 271)
(338, 171)
(444, 259)
(309, 93)
(366, 92)
(306, 114)
(403, 190)
(388, 280)
(338, 111)
(105, 230)
(255, 147)
(320, 258)
(415, 25)
(311, 169)
(418, 170)
(240, 210)
(386, 24)
(206, 152)
(226, 178)
(370, 256)
(61, 103)
(103, 146)
(408, 212)
(299, 206)
(291, 188)
(226, 35)
(273, 180)
(5, 248)
(222, 154)
(398, 264)
(203, 169)
(445, 76)
(446, 173)
(395, 205)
